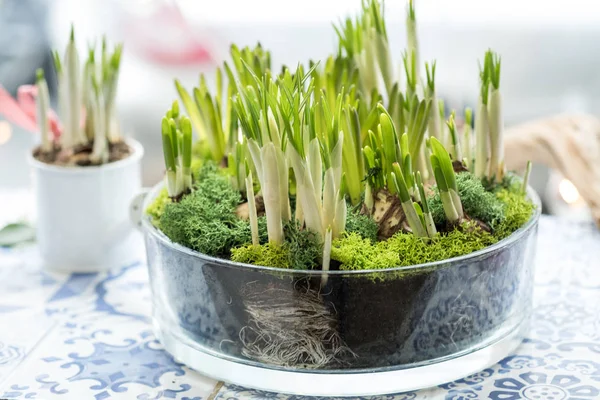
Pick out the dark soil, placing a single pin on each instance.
(80, 155)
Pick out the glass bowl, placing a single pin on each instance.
(361, 333)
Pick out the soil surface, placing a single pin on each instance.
(80, 155)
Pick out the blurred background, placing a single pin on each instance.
(549, 50)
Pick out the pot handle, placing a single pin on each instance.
(136, 210)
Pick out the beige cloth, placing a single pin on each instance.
(567, 143)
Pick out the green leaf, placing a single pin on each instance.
(186, 128)
(421, 188)
(445, 163)
(439, 176)
(16, 233)
(175, 109)
(167, 145)
(400, 183)
(174, 138)
(190, 106)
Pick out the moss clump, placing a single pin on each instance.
(477, 202)
(518, 210)
(156, 209)
(300, 251)
(361, 224)
(404, 249)
(268, 255)
(205, 219)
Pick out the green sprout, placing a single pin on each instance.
(213, 116)
(411, 34)
(467, 147)
(253, 216)
(482, 126)
(261, 126)
(411, 209)
(176, 133)
(455, 149)
(365, 43)
(435, 122)
(496, 122)
(416, 126)
(446, 181)
(411, 71)
(428, 217)
(91, 86)
(352, 159)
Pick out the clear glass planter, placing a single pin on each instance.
(362, 333)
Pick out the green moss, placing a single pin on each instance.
(156, 209)
(518, 210)
(301, 251)
(305, 249)
(404, 249)
(477, 202)
(354, 252)
(267, 255)
(205, 219)
(363, 225)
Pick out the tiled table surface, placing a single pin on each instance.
(89, 336)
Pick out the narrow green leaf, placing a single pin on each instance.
(167, 145)
(174, 138)
(186, 128)
(400, 182)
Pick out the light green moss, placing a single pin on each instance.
(518, 210)
(301, 251)
(267, 255)
(404, 249)
(354, 252)
(156, 209)
(477, 202)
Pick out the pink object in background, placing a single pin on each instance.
(22, 112)
(165, 37)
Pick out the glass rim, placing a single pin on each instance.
(148, 228)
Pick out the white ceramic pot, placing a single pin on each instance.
(83, 213)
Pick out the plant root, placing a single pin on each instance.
(291, 328)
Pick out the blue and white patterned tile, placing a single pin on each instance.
(24, 284)
(20, 332)
(115, 358)
(551, 377)
(125, 292)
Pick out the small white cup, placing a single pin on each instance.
(82, 213)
